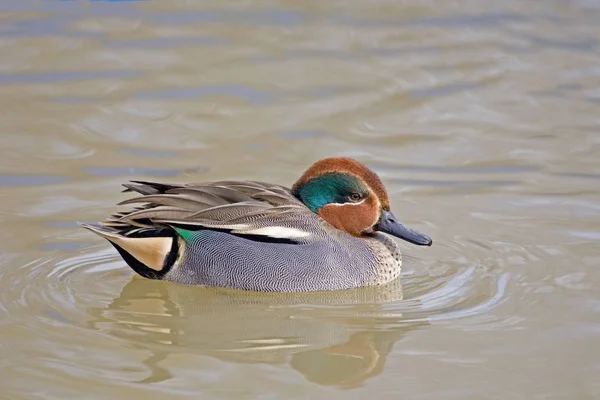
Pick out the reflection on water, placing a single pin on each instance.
(319, 334)
(481, 118)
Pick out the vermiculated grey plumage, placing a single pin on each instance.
(229, 249)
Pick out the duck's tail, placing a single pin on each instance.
(151, 254)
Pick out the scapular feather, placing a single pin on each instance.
(243, 208)
(199, 194)
(181, 201)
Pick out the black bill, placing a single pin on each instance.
(388, 224)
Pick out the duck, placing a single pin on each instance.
(331, 230)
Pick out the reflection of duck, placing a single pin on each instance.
(331, 338)
(347, 364)
(326, 233)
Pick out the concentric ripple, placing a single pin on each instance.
(108, 309)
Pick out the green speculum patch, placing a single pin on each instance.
(187, 235)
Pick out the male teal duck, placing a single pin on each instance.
(328, 232)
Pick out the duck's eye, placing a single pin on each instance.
(355, 197)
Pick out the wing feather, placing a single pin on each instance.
(243, 207)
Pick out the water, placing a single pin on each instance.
(481, 117)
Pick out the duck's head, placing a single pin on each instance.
(351, 197)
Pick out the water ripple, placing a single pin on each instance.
(71, 289)
(29, 179)
(67, 76)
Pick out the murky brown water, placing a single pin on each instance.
(482, 117)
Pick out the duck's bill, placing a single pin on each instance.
(388, 224)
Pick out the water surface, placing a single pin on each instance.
(481, 117)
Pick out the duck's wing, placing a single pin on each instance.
(251, 208)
